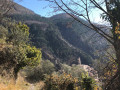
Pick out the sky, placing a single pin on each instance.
(39, 7)
(42, 8)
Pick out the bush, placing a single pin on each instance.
(38, 73)
(32, 55)
(47, 67)
(61, 82)
(8, 60)
(87, 83)
(16, 53)
(18, 34)
(74, 70)
(3, 32)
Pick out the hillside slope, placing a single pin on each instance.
(58, 38)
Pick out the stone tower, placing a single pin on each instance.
(79, 61)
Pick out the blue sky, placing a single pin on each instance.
(39, 7)
(42, 8)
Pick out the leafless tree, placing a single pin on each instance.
(110, 12)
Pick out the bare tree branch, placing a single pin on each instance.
(72, 13)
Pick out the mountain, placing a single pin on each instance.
(18, 9)
(62, 15)
(72, 31)
(60, 37)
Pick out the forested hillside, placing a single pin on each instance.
(58, 38)
(55, 53)
(67, 51)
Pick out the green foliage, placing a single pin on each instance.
(16, 53)
(18, 34)
(88, 83)
(47, 67)
(3, 32)
(74, 70)
(16, 58)
(61, 82)
(24, 28)
(9, 58)
(38, 73)
(32, 56)
(66, 68)
(49, 34)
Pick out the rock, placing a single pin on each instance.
(91, 72)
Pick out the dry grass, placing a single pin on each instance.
(12, 85)
(19, 84)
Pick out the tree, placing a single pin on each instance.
(15, 52)
(18, 34)
(15, 49)
(110, 12)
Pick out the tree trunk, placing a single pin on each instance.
(118, 69)
(114, 83)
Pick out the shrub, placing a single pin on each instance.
(38, 73)
(74, 70)
(3, 32)
(61, 82)
(85, 82)
(88, 83)
(32, 56)
(16, 52)
(18, 34)
(47, 67)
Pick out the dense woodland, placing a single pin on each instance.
(53, 53)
